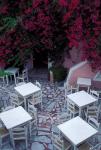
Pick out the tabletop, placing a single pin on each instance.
(77, 130)
(12, 70)
(84, 81)
(27, 89)
(15, 117)
(82, 98)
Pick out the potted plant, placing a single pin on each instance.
(59, 73)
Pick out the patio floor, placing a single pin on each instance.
(53, 103)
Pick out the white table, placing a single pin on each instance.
(81, 99)
(85, 82)
(26, 90)
(13, 71)
(15, 117)
(77, 130)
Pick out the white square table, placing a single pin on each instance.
(12, 71)
(81, 99)
(15, 117)
(85, 82)
(76, 130)
(27, 90)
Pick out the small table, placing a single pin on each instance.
(81, 99)
(13, 71)
(15, 117)
(77, 130)
(26, 90)
(85, 82)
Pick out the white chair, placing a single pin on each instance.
(33, 123)
(94, 93)
(18, 134)
(92, 111)
(72, 109)
(44, 123)
(3, 134)
(69, 89)
(61, 117)
(59, 142)
(16, 100)
(93, 122)
(23, 77)
(37, 96)
(38, 84)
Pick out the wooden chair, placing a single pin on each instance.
(92, 111)
(16, 100)
(93, 122)
(59, 142)
(61, 117)
(18, 134)
(69, 89)
(3, 133)
(23, 77)
(72, 109)
(37, 96)
(33, 123)
(96, 95)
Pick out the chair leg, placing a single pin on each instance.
(26, 144)
(13, 143)
(0, 142)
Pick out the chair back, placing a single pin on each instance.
(94, 94)
(93, 122)
(25, 74)
(38, 84)
(20, 133)
(32, 111)
(14, 99)
(33, 123)
(71, 107)
(93, 111)
(57, 142)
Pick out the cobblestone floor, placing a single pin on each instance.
(53, 104)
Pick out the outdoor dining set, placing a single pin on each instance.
(81, 118)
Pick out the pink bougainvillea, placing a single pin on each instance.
(52, 26)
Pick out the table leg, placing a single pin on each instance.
(25, 103)
(15, 78)
(80, 112)
(75, 147)
(7, 79)
(88, 89)
(78, 87)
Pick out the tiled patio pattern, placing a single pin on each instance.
(53, 104)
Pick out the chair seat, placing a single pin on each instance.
(84, 146)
